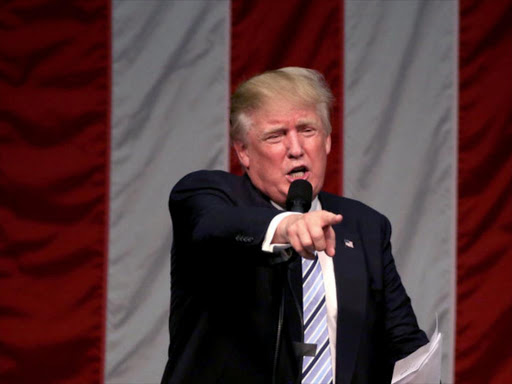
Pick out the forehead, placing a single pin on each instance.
(284, 112)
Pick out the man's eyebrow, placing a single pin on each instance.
(306, 121)
(275, 129)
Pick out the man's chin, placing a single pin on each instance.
(279, 199)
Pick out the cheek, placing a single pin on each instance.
(272, 155)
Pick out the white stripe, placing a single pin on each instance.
(311, 314)
(318, 333)
(326, 362)
(399, 143)
(449, 354)
(312, 279)
(311, 295)
(170, 81)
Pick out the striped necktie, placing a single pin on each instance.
(315, 369)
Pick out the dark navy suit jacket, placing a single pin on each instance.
(227, 296)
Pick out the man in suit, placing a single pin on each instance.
(238, 304)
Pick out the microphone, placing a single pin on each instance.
(299, 196)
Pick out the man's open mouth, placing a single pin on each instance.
(298, 172)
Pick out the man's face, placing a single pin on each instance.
(286, 142)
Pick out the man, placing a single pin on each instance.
(238, 263)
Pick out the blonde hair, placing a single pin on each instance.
(295, 84)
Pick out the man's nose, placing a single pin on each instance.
(294, 143)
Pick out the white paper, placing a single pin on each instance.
(422, 366)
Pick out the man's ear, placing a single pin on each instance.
(328, 144)
(242, 153)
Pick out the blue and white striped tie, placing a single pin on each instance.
(315, 369)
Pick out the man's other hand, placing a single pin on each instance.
(308, 232)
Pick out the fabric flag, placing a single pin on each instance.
(106, 104)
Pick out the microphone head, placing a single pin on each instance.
(299, 196)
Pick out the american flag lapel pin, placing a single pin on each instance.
(349, 244)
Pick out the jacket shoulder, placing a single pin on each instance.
(237, 190)
(207, 178)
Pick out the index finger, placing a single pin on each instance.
(329, 218)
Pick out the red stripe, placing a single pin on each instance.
(54, 124)
(269, 34)
(484, 292)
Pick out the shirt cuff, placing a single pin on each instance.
(271, 230)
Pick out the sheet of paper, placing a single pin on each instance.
(422, 366)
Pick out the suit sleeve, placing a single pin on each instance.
(403, 334)
(207, 209)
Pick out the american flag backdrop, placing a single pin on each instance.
(106, 104)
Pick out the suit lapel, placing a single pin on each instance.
(351, 290)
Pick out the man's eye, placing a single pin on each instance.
(273, 137)
(308, 131)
